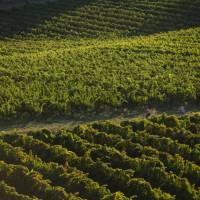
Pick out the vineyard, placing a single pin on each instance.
(61, 77)
(76, 57)
(99, 18)
(67, 62)
(156, 159)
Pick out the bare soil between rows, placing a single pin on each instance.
(68, 123)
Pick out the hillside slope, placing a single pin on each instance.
(140, 159)
(76, 56)
(99, 18)
(57, 77)
(69, 62)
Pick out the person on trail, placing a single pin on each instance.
(182, 109)
(147, 112)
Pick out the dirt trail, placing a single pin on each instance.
(116, 118)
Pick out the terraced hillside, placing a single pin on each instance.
(61, 77)
(70, 57)
(155, 158)
(102, 18)
(83, 58)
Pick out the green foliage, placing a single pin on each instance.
(9, 193)
(72, 57)
(106, 161)
(20, 177)
(99, 18)
(77, 57)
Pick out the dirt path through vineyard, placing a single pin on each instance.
(116, 118)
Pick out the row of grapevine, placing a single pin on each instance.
(128, 80)
(9, 193)
(86, 164)
(166, 126)
(74, 143)
(100, 161)
(161, 143)
(147, 167)
(67, 177)
(20, 177)
(98, 18)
